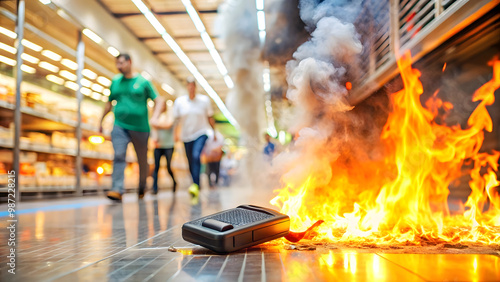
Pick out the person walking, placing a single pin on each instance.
(213, 155)
(131, 92)
(193, 113)
(163, 138)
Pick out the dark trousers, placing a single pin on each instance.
(158, 153)
(120, 138)
(213, 168)
(193, 153)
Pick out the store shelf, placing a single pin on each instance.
(38, 148)
(96, 155)
(71, 188)
(50, 117)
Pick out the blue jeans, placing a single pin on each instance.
(120, 138)
(193, 153)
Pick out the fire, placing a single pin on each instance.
(402, 196)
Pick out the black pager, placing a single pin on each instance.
(235, 229)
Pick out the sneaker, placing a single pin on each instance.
(141, 194)
(114, 195)
(194, 190)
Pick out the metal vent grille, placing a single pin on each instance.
(237, 217)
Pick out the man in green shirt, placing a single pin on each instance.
(131, 92)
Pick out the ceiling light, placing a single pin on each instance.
(90, 74)
(7, 32)
(262, 36)
(95, 96)
(194, 15)
(167, 88)
(229, 81)
(48, 66)
(8, 48)
(28, 69)
(90, 34)
(218, 61)
(51, 55)
(104, 81)
(71, 85)
(69, 64)
(32, 45)
(106, 92)
(170, 103)
(261, 20)
(151, 103)
(185, 60)
(96, 87)
(146, 75)
(207, 40)
(29, 58)
(86, 82)
(259, 4)
(55, 79)
(85, 91)
(104, 98)
(45, 2)
(68, 75)
(113, 51)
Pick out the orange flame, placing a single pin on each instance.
(403, 197)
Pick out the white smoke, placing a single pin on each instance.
(237, 23)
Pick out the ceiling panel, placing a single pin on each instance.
(219, 44)
(191, 44)
(204, 5)
(120, 6)
(200, 57)
(169, 58)
(159, 6)
(157, 45)
(179, 25)
(209, 21)
(140, 26)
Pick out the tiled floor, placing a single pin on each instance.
(92, 239)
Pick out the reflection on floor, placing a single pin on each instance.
(92, 239)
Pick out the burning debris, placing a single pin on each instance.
(393, 191)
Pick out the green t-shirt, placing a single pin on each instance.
(131, 96)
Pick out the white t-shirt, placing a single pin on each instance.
(193, 115)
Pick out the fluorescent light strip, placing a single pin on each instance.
(29, 58)
(7, 32)
(52, 55)
(8, 48)
(229, 81)
(90, 34)
(45, 2)
(48, 66)
(261, 20)
(31, 45)
(106, 92)
(259, 4)
(55, 79)
(28, 69)
(187, 62)
(7, 61)
(69, 63)
(88, 73)
(68, 75)
(104, 81)
(113, 51)
(193, 14)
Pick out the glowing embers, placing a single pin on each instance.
(401, 195)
